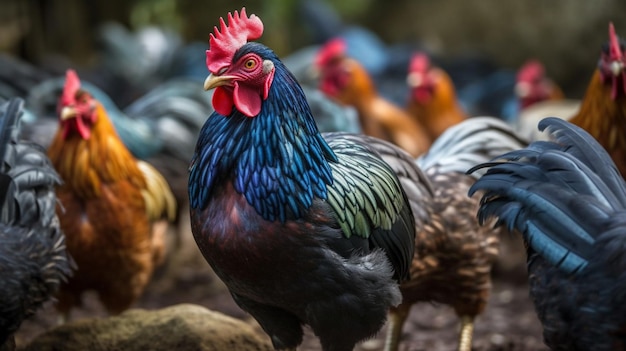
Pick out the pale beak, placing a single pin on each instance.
(68, 112)
(522, 89)
(213, 81)
(616, 68)
(414, 80)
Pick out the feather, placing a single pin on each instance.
(319, 219)
(473, 141)
(558, 194)
(33, 257)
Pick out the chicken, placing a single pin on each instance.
(539, 96)
(453, 253)
(432, 100)
(113, 208)
(344, 79)
(568, 201)
(303, 228)
(533, 85)
(33, 258)
(159, 127)
(603, 109)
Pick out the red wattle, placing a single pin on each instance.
(83, 130)
(247, 100)
(222, 101)
(422, 95)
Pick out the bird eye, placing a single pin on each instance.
(250, 64)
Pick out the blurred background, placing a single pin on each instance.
(136, 50)
(564, 34)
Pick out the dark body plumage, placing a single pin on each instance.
(33, 259)
(302, 228)
(569, 202)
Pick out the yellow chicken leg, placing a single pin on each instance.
(467, 331)
(397, 316)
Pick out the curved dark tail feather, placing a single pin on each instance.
(561, 195)
(580, 144)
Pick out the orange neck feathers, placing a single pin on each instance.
(85, 165)
(442, 110)
(379, 117)
(605, 119)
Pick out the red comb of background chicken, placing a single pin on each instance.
(229, 38)
(331, 50)
(72, 84)
(419, 63)
(530, 71)
(615, 52)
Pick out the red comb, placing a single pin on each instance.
(332, 49)
(419, 63)
(530, 71)
(615, 53)
(229, 38)
(72, 84)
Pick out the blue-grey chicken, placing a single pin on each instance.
(568, 200)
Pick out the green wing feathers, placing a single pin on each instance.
(369, 201)
(364, 196)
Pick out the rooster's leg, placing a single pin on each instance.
(467, 330)
(397, 316)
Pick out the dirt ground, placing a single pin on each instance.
(508, 324)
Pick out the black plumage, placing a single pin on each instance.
(33, 259)
(568, 200)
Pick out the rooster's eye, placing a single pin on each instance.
(250, 64)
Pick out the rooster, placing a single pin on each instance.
(432, 102)
(345, 80)
(568, 200)
(303, 228)
(158, 128)
(33, 258)
(453, 253)
(113, 208)
(603, 109)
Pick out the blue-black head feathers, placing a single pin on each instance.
(278, 159)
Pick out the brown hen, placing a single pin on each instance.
(112, 207)
(346, 80)
(453, 253)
